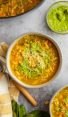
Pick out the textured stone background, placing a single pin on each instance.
(35, 21)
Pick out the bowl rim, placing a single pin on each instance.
(22, 83)
(54, 96)
(55, 3)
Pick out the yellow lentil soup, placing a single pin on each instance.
(59, 106)
(34, 59)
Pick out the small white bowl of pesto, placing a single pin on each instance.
(57, 17)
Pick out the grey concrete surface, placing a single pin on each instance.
(35, 21)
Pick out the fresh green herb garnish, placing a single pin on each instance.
(66, 100)
(37, 113)
(18, 110)
(66, 113)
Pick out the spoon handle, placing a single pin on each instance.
(26, 94)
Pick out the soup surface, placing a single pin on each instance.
(2, 1)
(34, 59)
(60, 104)
(15, 7)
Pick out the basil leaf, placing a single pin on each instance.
(18, 110)
(22, 111)
(37, 113)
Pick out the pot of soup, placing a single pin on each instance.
(12, 8)
(34, 60)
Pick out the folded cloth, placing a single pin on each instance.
(3, 49)
(8, 91)
(5, 101)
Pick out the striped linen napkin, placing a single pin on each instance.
(5, 102)
(8, 91)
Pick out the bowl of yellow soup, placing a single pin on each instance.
(33, 60)
(59, 103)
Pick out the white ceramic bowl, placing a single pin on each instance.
(53, 99)
(22, 83)
(54, 5)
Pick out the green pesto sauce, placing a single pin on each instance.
(58, 18)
